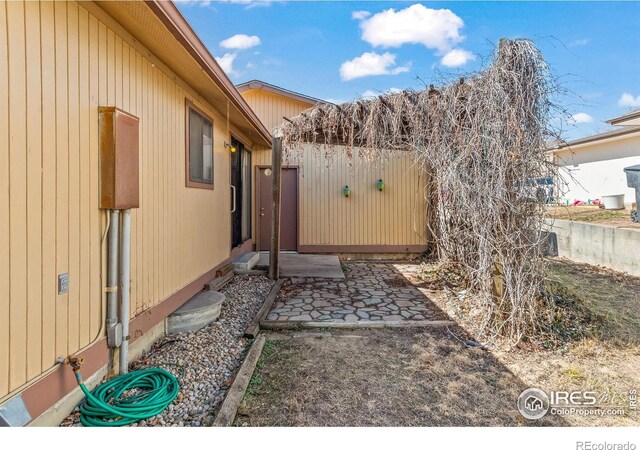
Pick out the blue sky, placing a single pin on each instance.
(341, 50)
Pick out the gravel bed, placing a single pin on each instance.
(206, 360)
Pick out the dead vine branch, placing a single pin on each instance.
(482, 142)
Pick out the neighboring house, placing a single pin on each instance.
(593, 166)
(316, 216)
(61, 62)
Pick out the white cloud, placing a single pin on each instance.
(372, 94)
(194, 2)
(581, 118)
(240, 42)
(457, 57)
(371, 63)
(249, 3)
(226, 62)
(269, 61)
(434, 28)
(369, 94)
(359, 15)
(578, 42)
(629, 101)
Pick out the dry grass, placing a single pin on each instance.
(589, 365)
(421, 378)
(611, 298)
(593, 214)
(427, 377)
(379, 378)
(588, 302)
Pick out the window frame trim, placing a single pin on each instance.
(189, 105)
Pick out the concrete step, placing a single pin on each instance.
(199, 311)
(245, 261)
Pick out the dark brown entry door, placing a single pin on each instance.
(240, 194)
(288, 205)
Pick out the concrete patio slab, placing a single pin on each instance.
(295, 265)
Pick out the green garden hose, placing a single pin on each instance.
(110, 405)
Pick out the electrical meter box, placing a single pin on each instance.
(119, 156)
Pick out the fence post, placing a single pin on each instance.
(276, 167)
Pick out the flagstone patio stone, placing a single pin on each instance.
(371, 292)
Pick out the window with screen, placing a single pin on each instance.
(199, 148)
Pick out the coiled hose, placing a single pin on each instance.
(110, 405)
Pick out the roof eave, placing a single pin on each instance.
(175, 22)
(596, 138)
(630, 116)
(267, 87)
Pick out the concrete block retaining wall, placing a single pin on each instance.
(602, 245)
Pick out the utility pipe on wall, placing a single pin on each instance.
(125, 263)
(113, 335)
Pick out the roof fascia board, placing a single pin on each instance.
(261, 85)
(596, 139)
(175, 22)
(618, 120)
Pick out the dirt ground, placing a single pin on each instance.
(593, 214)
(428, 377)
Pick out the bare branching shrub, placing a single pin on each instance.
(481, 141)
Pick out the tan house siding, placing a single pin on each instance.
(369, 217)
(271, 108)
(394, 217)
(64, 62)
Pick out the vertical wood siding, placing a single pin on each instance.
(395, 216)
(5, 226)
(270, 108)
(60, 62)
